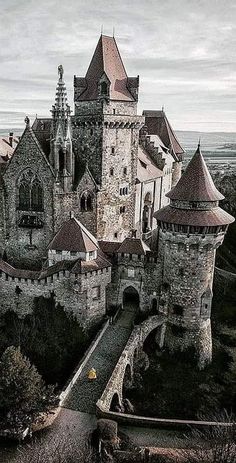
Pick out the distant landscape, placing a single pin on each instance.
(220, 145)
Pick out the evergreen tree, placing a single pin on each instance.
(23, 394)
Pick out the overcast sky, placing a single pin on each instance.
(183, 50)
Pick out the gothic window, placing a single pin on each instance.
(24, 196)
(89, 203)
(30, 193)
(36, 196)
(86, 202)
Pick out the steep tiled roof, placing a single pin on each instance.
(73, 236)
(146, 169)
(196, 183)
(133, 246)
(158, 124)
(199, 218)
(15, 272)
(106, 59)
(109, 247)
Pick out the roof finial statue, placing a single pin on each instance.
(101, 29)
(199, 144)
(27, 121)
(60, 71)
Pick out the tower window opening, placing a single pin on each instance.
(112, 150)
(125, 170)
(178, 309)
(111, 171)
(104, 88)
(91, 131)
(122, 209)
(114, 111)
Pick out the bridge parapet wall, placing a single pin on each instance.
(133, 346)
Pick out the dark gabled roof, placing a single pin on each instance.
(133, 246)
(198, 218)
(83, 266)
(158, 124)
(196, 183)
(106, 60)
(109, 247)
(42, 129)
(18, 273)
(146, 168)
(73, 236)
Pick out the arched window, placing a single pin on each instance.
(89, 202)
(30, 193)
(36, 196)
(104, 88)
(82, 203)
(24, 196)
(86, 202)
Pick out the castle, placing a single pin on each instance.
(93, 208)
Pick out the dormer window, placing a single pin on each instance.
(104, 88)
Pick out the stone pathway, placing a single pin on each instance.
(85, 393)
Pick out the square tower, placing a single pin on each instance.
(106, 132)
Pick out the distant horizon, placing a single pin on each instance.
(185, 56)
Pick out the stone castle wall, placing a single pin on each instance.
(25, 246)
(75, 294)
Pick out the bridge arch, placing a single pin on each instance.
(115, 403)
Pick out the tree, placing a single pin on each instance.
(23, 394)
(215, 444)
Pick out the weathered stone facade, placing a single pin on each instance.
(120, 173)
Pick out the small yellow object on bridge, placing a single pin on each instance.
(92, 374)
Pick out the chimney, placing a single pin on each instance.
(72, 215)
(11, 138)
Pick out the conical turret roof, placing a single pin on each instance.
(196, 183)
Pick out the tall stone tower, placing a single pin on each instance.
(191, 228)
(61, 156)
(107, 133)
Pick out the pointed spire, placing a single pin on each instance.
(196, 183)
(61, 109)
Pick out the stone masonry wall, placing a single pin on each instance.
(25, 246)
(74, 293)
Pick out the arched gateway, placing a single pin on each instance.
(130, 298)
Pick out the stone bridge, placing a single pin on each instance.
(113, 393)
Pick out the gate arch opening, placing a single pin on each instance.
(115, 403)
(131, 297)
(127, 379)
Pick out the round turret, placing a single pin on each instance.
(191, 228)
